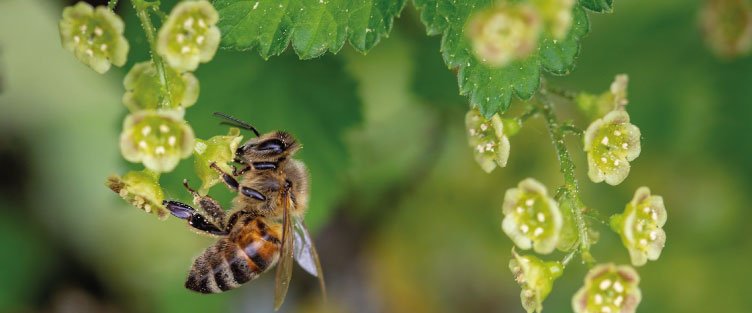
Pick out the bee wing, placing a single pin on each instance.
(305, 252)
(284, 267)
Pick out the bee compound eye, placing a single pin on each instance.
(274, 145)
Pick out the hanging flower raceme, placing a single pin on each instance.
(189, 35)
(143, 89)
(611, 143)
(159, 139)
(141, 189)
(488, 140)
(531, 217)
(219, 150)
(95, 36)
(505, 33)
(556, 15)
(536, 278)
(641, 226)
(608, 289)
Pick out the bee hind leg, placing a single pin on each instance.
(195, 219)
(214, 211)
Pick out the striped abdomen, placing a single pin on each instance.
(251, 248)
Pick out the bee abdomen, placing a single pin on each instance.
(220, 268)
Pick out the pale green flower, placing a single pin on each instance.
(488, 140)
(141, 189)
(641, 226)
(608, 289)
(219, 150)
(531, 217)
(505, 33)
(95, 36)
(143, 89)
(189, 35)
(536, 278)
(611, 143)
(556, 15)
(159, 139)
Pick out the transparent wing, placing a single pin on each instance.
(284, 267)
(305, 252)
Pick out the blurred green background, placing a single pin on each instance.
(404, 219)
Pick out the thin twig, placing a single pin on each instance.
(141, 7)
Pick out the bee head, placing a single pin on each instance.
(270, 147)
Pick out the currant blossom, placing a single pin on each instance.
(608, 289)
(556, 15)
(95, 36)
(505, 33)
(143, 90)
(159, 139)
(531, 217)
(141, 189)
(641, 226)
(536, 278)
(727, 26)
(219, 150)
(189, 35)
(488, 140)
(611, 143)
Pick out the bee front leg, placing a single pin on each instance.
(195, 219)
(235, 186)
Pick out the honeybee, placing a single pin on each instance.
(265, 226)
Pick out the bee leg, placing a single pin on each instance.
(208, 204)
(236, 172)
(195, 219)
(230, 181)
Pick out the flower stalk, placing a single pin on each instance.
(142, 11)
(112, 4)
(571, 186)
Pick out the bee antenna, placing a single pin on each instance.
(233, 121)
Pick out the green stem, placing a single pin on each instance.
(568, 257)
(112, 4)
(566, 165)
(142, 11)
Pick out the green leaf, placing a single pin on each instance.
(312, 26)
(600, 6)
(491, 89)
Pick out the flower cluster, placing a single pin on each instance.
(487, 138)
(536, 278)
(189, 35)
(608, 289)
(611, 143)
(95, 36)
(218, 150)
(531, 217)
(508, 32)
(141, 189)
(641, 226)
